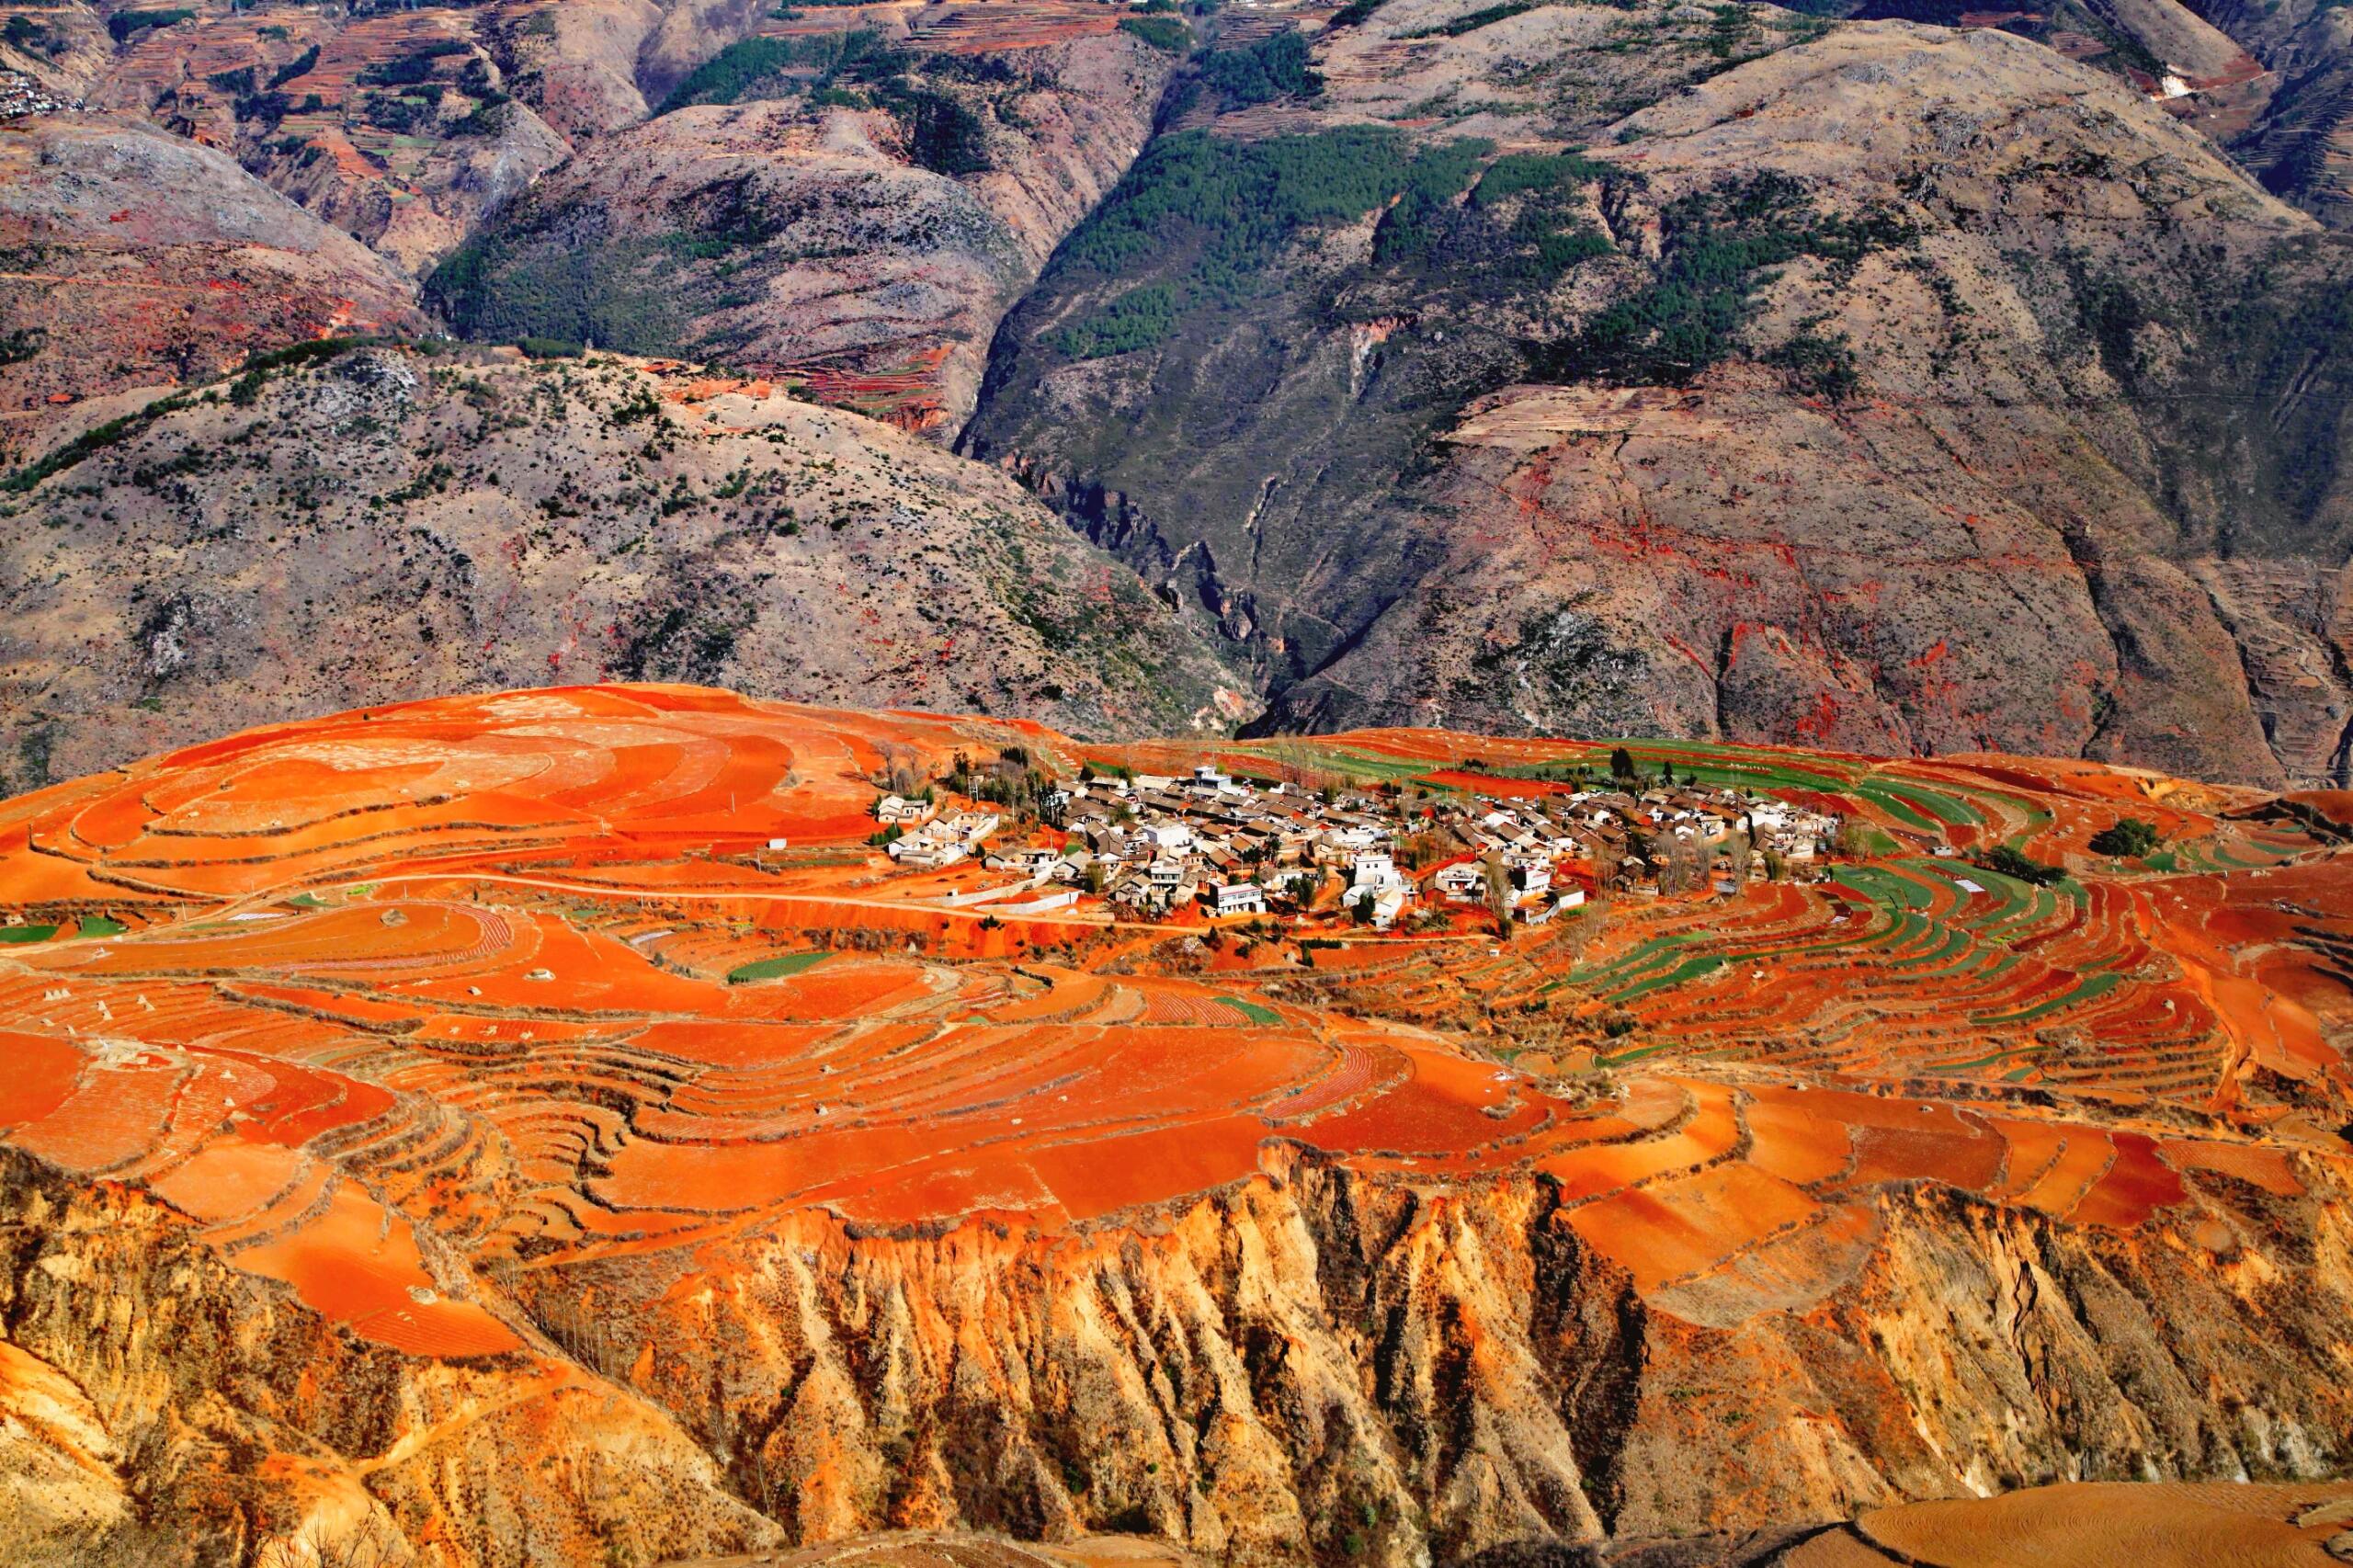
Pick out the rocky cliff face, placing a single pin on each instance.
(164, 1407)
(1376, 1374)
(1311, 1365)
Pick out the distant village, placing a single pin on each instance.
(1153, 846)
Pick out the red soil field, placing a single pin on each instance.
(452, 980)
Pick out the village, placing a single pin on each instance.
(1218, 848)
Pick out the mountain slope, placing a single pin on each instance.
(137, 259)
(391, 524)
(856, 207)
(1900, 388)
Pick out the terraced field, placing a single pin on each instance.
(445, 1019)
(501, 967)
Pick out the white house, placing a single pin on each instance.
(1463, 881)
(1387, 903)
(892, 809)
(926, 854)
(1169, 838)
(1238, 898)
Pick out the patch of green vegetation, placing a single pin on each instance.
(1822, 366)
(122, 24)
(1274, 67)
(1487, 17)
(489, 118)
(410, 68)
(115, 431)
(1468, 248)
(90, 442)
(1548, 172)
(1720, 247)
(21, 934)
(2010, 863)
(1163, 33)
(1411, 227)
(2128, 838)
(777, 968)
(564, 279)
(298, 66)
(1209, 213)
(100, 926)
(862, 69)
(1140, 318)
(1729, 25)
(1355, 14)
(1257, 1013)
(24, 33)
(764, 67)
(2087, 988)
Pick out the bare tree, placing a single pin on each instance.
(373, 1542)
(1691, 860)
(1499, 892)
(1738, 851)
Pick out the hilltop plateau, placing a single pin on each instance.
(631, 1122)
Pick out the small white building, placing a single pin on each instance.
(926, 854)
(1167, 837)
(1386, 902)
(892, 809)
(1463, 881)
(1237, 898)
